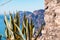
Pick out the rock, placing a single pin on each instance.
(43, 31)
(52, 18)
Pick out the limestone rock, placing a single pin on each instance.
(52, 18)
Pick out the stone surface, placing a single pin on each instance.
(52, 18)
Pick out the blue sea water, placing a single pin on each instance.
(2, 26)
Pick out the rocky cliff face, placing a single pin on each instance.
(52, 19)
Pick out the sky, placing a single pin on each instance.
(20, 5)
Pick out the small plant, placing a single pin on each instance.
(13, 31)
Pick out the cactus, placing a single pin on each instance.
(13, 31)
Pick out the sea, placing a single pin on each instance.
(2, 27)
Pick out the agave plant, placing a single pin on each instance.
(13, 31)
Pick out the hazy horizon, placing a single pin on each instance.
(20, 5)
